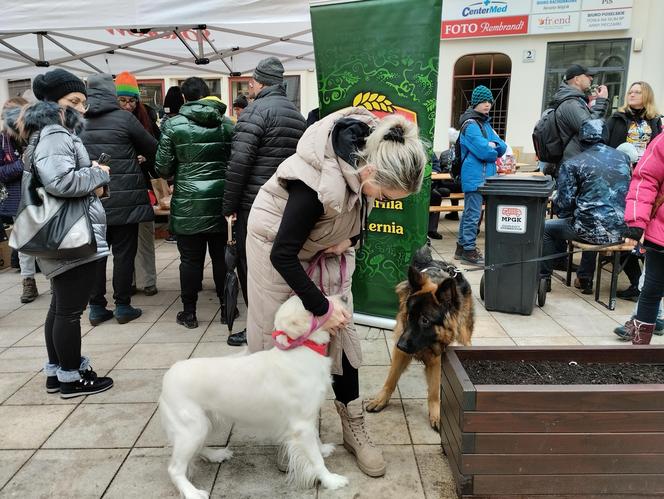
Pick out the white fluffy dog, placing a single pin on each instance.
(277, 391)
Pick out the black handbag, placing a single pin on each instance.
(48, 226)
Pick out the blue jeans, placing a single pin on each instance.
(472, 209)
(556, 234)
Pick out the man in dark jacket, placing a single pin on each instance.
(590, 201)
(266, 133)
(119, 134)
(573, 109)
(194, 149)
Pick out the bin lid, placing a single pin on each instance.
(517, 185)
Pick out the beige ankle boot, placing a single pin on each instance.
(356, 440)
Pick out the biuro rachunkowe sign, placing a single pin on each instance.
(382, 55)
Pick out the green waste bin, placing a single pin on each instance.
(514, 227)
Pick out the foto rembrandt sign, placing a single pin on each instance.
(480, 18)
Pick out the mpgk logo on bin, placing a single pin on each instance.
(511, 219)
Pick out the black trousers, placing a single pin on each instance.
(192, 248)
(434, 216)
(631, 268)
(653, 285)
(346, 386)
(70, 293)
(123, 240)
(241, 244)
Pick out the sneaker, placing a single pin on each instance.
(150, 290)
(472, 256)
(126, 313)
(89, 384)
(632, 294)
(585, 285)
(458, 252)
(452, 215)
(99, 314)
(434, 234)
(187, 319)
(30, 292)
(237, 339)
(52, 384)
(172, 239)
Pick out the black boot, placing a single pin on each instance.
(237, 339)
(89, 384)
(187, 319)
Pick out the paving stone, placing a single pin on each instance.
(22, 359)
(401, 480)
(155, 356)
(34, 393)
(417, 415)
(27, 427)
(145, 474)
(90, 472)
(10, 382)
(131, 386)
(435, 471)
(9, 335)
(172, 332)
(98, 426)
(110, 332)
(375, 353)
(10, 462)
(252, 474)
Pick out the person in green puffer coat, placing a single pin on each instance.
(194, 149)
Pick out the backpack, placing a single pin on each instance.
(457, 160)
(549, 146)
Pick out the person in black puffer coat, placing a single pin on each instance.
(119, 134)
(266, 133)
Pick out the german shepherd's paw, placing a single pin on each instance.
(333, 481)
(379, 402)
(434, 417)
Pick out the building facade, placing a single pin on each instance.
(621, 39)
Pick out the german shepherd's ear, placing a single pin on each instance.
(447, 294)
(415, 278)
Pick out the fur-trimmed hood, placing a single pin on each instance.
(41, 114)
(10, 120)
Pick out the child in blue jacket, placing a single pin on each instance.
(480, 147)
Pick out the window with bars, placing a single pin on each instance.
(610, 58)
(492, 70)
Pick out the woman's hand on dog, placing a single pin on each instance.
(338, 249)
(339, 319)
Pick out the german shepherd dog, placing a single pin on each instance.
(435, 309)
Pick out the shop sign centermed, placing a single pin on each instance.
(479, 18)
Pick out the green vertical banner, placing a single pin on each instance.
(382, 55)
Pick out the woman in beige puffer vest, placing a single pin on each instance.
(317, 201)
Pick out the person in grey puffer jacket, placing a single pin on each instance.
(61, 164)
(573, 110)
(590, 202)
(118, 133)
(266, 133)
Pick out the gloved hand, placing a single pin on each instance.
(634, 233)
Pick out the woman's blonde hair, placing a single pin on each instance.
(395, 149)
(648, 97)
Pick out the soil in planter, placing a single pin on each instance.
(521, 372)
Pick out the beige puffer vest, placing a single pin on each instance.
(338, 186)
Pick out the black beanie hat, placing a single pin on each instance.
(54, 85)
(269, 71)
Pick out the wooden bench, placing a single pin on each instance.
(612, 251)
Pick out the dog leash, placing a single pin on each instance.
(555, 256)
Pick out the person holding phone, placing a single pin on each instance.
(117, 133)
(60, 162)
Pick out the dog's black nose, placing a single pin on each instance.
(405, 346)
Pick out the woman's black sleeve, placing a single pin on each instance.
(302, 212)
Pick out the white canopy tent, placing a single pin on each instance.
(153, 37)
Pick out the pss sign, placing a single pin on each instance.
(511, 219)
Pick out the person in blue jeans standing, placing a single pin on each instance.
(480, 147)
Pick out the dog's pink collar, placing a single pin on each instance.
(316, 323)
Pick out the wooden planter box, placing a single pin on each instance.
(534, 441)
